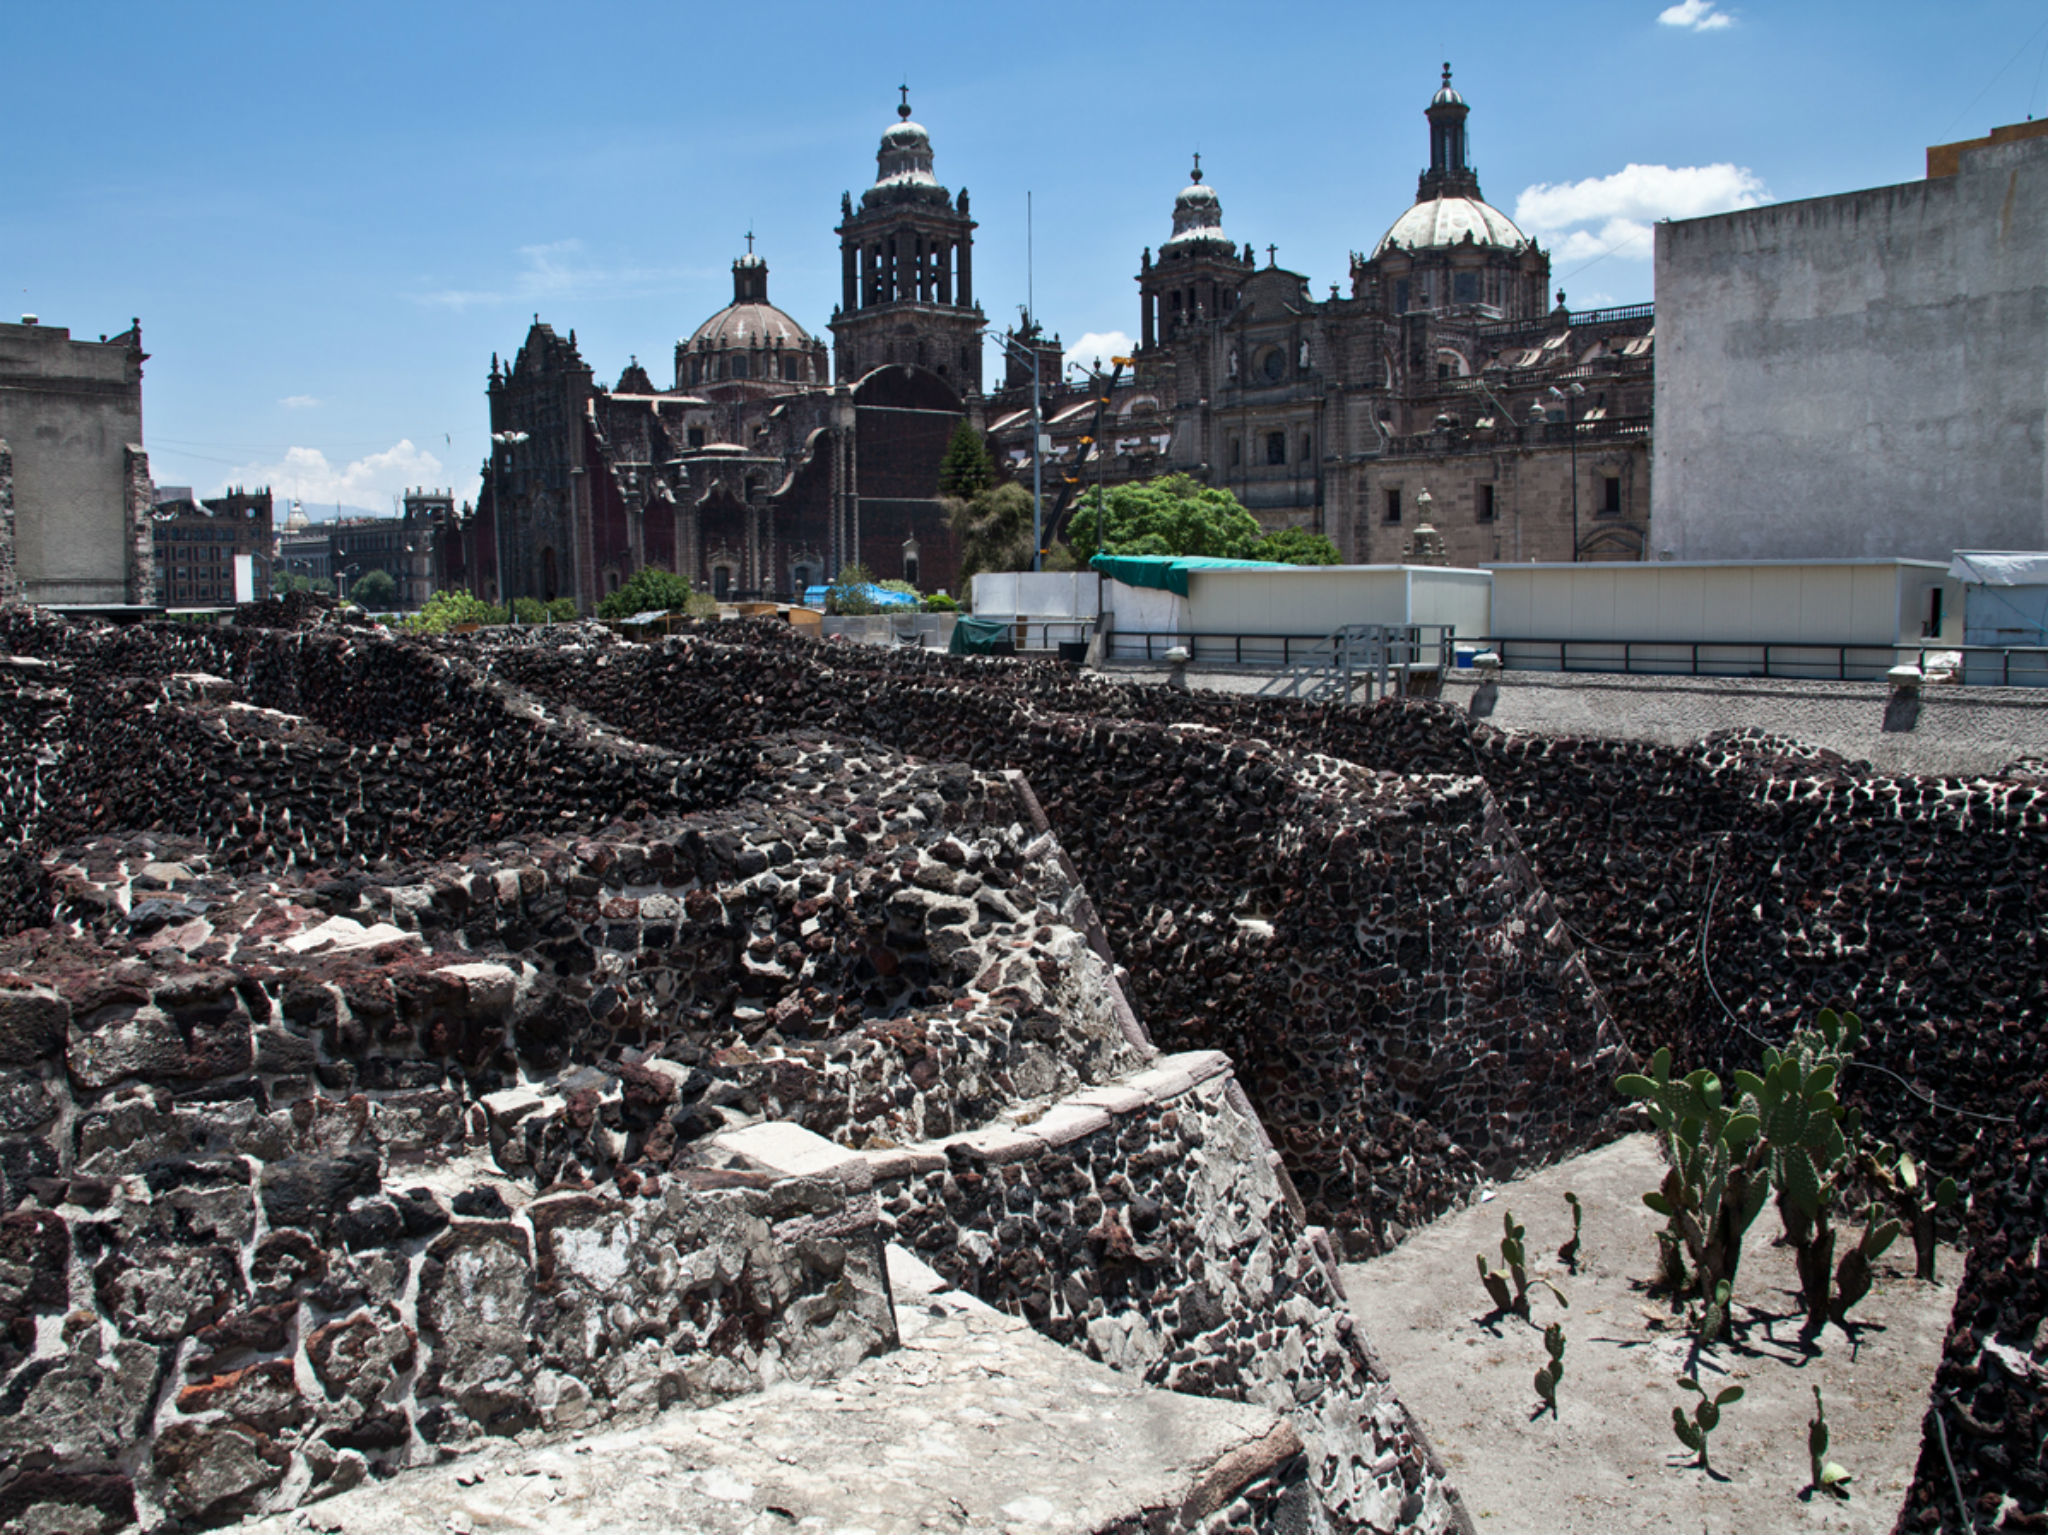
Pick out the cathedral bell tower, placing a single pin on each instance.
(1199, 273)
(907, 269)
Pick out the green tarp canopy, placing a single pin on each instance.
(1167, 572)
(977, 636)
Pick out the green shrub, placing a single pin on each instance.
(939, 602)
(847, 596)
(444, 610)
(650, 589)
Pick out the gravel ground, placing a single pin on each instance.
(1959, 731)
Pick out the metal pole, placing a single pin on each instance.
(498, 519)
(1037, 458)
(1572, 426)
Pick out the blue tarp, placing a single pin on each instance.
(814, 597)
(1169, 573)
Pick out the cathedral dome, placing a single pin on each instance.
(749, 325)
(749, 339)
(1439, 222)
(1197, 221)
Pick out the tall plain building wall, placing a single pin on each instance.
(1860, 375)
(71, 415)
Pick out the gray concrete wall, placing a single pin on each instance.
(1861, 375)
(70, 411)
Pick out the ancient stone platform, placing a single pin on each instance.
(976, 1423)
(406, 1044)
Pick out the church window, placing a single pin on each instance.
(1275, 364)
(1393, 506)
(696, 370)
(789, 370)
(1401, 296)
(1308, 448)
(1276, 447)
(1465, 287)
(1610, 495)
(1236, 451)
(696, 436)
(739, 365)
(1483, 502)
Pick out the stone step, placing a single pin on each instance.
(976, 1423)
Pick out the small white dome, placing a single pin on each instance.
(1438, 222)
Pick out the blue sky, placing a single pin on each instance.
(329, 217)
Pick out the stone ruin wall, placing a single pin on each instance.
(1918, 901)
(314, 1174)
(1922, 902)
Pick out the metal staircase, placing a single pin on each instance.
(1381, 658)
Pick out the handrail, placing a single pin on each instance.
(1595, 655)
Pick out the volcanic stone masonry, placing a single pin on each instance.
(1426, 945)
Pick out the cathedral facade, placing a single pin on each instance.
(1441, 385)
(760, 467)
(1444, 369)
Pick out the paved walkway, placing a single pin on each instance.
(1959, 730)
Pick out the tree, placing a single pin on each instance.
(847, 596)
(374, 589)
(1174, 515)
(967, 469)
(650, 589)
(994, 531)
(298, 581)
(1296, 546)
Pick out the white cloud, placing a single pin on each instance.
(298, 402)
(304, 474)
(1695, 16)
(1611, 215)
(554, 272)
(1099, 346)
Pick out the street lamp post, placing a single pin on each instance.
(1030, 355)
(501, 440)
(1571, 426)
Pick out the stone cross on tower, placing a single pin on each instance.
(903, 107)
(1272, 255)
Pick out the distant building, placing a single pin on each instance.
(1863, 374)
(430, 521)
(753, 473)
(304, 551)
(197, 541)
(74, 480)
(1443, 370)
(363, 544)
